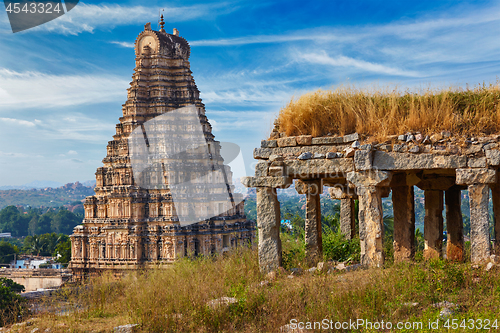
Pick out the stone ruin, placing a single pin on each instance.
(352, 168)
(133, 221)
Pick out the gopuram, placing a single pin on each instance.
(352, 169)
(158, 198)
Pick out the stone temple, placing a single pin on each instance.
(352, 168)
(135, 220)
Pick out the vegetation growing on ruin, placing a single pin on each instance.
(467, 112)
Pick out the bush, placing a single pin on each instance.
(12, 305)
(337, 247)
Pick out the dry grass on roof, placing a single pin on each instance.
(464, 112)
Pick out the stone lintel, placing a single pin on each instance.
(268, 224)
(311, 187)
(288, 141)
(319, 168)
(476, 176)
(369, 178)
(272, 182)
(479, 223)
(406, 161)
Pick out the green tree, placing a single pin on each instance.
(64, 222)
(7, 252)
(11, 220)
(12, 305)
(63, 251)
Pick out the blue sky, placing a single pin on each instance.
(62, 84)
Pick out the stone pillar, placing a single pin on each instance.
(433, 224)
(347, 221)
(268, 224)
(346, 196)
(313, 239)
(454, 225)
(371, 226)
(479, 222)
(495, 196)
(404, 222)
(477, 180)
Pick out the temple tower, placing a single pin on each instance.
(128, 225)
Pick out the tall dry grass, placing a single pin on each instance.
(175, 300)
(382, 113)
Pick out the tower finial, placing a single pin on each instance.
(162, 24)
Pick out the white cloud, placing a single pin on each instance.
(21, 122)
(322, 58)
(40, 90)
(87, 17)
(124, 44)
(3, 154)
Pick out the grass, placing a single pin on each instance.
(175, 299)
(379, 114)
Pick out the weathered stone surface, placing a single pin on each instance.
(326, 140)
(404, 161)
(479, 162)
(404, 223)
(479, 226)
(351, 137)
(493, 157)
(318, 155)
(369, 178)
(363, 160)
(313, 238)
(349, 152)
(342, 191)
(454, 225)
(326, 168)
(304, 140)
(308, 187)
(476, 176)
(356, 144)
(433, 224)
(268, 144)
(366, 147)
(288, 141)
(414, 149)
(268, 224)
(277, 171)
(402, 137)
(436, 137)
(331, 155)
(261, 169)
(274, 182)
(473, 149)
(305, 156)
(490, 146)
(371, 226)
(347, 222)
(495, 198)
(436, 182)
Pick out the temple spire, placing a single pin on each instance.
(162, 24)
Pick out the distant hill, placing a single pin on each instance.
(48, 197)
